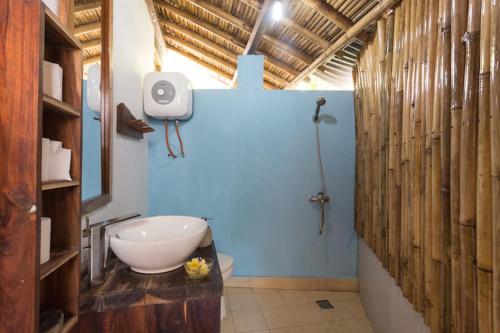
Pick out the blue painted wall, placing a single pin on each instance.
(91, 146)
(251, 165)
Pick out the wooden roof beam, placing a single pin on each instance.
(83, 7)
(86, 28)
(330, 13)
(261, 24)
(345, 39)
(220, 49)
(244, 26)
(91, 43)
(257, 34)
(198, 22)
(220, 61)
(213, 68)
(224, 35)
(323, 43)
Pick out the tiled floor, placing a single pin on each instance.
(292, 311)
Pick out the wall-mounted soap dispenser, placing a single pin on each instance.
(168, 96)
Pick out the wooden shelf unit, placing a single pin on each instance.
(51, 185)
(61, 200)
(57, 259)
(54, 105)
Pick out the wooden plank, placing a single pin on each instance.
(52, 185)
(20, 116)
(57, 259)
(129, 320)
(54, 105)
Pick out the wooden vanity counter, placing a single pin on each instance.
(166, 302)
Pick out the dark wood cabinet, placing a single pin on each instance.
(30, 33)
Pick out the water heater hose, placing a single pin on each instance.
(179, 137)
(171, 153)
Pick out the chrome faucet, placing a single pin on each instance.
(98, 247)
(322, 199)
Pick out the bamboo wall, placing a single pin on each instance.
(427, 104)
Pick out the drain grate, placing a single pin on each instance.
(324, 304)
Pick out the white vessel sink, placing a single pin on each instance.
(157, 244)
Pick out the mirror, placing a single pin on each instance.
(93, 28)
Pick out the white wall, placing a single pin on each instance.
(387, 309)
(133, 56)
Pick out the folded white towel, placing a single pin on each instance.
(52, 80)
(59, 165)
(45, 240)
(45, 159)
(55, 146)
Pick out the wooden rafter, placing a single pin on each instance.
(91, 43)
(221, 61)
(86, 28)
(304, 32)
(345, 39)
(225, 36)
(212, 45)
(331, 13)
(261, 24)
(83, 7)
(244, 26)
(215, 69)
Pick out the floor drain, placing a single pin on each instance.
(324, 304)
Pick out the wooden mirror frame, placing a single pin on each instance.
(104, 198)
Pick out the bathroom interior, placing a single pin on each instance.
(273, 166)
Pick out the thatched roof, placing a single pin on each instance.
(310, 38)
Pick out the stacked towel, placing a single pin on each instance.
(52, 80)
(56, 161)
(45, 240)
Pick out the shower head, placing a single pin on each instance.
(319, 103)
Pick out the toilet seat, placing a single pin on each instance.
(225, 262)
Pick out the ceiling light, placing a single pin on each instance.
(277, 10)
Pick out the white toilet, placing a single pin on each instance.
(226, 268)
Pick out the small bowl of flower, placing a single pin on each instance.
(198, 267)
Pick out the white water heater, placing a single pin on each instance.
(168, 96)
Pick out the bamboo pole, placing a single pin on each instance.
(483, 208)
(468, 170)
(437, 231)
(398, 127)
(387, 88)
(432, 27)
(458, 29)
(392, 192)
(416, 157)
(495, 155)
(445, 127)
(405, 218)
(382, 137)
